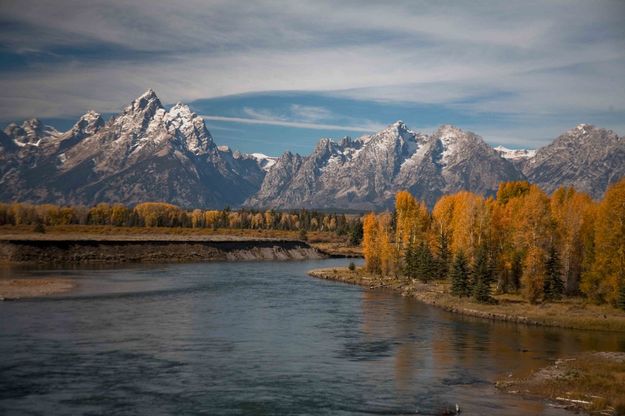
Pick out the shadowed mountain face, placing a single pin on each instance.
(146, 153)
(586, 157)
(149, 153)
(367, 172)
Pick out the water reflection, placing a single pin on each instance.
(256, 338)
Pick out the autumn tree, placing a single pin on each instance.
(603, 281)
(411, 219)
(371, 243)
(390, 258)
(533, 280)
(573, 219)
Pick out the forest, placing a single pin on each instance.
(160, 214)
(520, 241)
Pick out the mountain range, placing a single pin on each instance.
(150, 153)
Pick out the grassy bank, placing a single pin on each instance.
(592, 382)
(575, 313)
(324, 241)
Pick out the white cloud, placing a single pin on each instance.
(531, 58)
(369, 128)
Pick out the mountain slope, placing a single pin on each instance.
(585, 157)
(367, 172)
(145, 153)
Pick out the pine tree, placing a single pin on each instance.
(460, 276)
(516, 271)
(620, 303)
(553, 286)
(410, 260)
(426, 268)
(355, 236)
(444, 256)
(482, 276)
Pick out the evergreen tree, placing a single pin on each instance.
(355, 237)
(425, 266)
(460, 276)
(620, 302)
(444, 256)
(482, 276)
(553, 286)
(516, 271)
(410, 260)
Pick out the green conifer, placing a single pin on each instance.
(460, 276)
(482, 276)
(516, 272)
(620, 302)
(553, 286)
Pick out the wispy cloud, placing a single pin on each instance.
(530, 59)
(302, 125)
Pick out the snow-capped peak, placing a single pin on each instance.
(31, 132)
(515, 154)
(148, 101)
(181, 110)
(88, 123)
(265, 162)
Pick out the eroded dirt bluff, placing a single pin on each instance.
(108, 249)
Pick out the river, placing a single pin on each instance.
(258, 338)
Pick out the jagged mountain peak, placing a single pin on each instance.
(585, 135)
(148, 102)
(586, 157)
(30, 132)
(398, 129)
(449, 132)
(89, 123)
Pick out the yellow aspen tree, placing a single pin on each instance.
(570, 214)
(389, 253)
(412, 219)
(371, 243)
(607, 275)
(534, 274)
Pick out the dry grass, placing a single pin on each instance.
(594, 382)
(321, 238)
(574, 313)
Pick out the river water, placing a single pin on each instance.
(259, 338)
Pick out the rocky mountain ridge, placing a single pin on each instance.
(150, 153)
(145, 153)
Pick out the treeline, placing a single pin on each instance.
(544, 247)
(158, 214)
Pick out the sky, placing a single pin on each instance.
(271, 76)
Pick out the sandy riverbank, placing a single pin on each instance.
(30, 288)
(591, 382)
(573, 313)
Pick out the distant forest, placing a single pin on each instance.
(159, 214)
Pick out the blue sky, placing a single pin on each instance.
(271, 76)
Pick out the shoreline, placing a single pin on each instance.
(14, 289)
(568, 314)
(89, 249)
(589, 382)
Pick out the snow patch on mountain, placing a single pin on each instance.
(515, 154)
